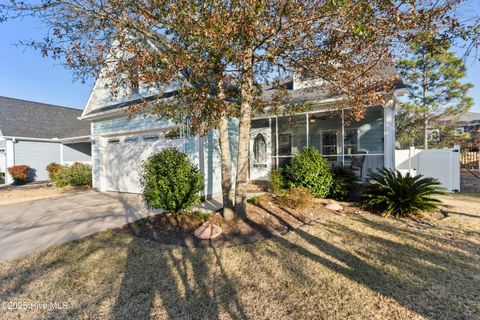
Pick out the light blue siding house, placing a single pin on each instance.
(37, 134)
(121, 141)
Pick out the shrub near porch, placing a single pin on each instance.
(310, 170)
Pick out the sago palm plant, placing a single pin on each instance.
(401, 195)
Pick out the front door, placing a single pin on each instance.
(260, 153)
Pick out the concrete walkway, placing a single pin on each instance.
(31, 226)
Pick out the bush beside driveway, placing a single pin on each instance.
(353, 266)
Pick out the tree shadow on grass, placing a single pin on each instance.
(180, 280)
(431, 279)
(428, 283)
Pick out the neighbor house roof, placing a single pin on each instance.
(465, 118)
(470, 118)
(21, 118)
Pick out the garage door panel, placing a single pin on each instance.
(125, 157)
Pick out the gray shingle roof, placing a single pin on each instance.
(21, 118)
(318, 93)
(464, 119)
(470, 117)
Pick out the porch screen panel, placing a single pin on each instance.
(273, 127)
(370, 131)
(260, 123)
(365, 152)
(292, 135)
(325, 129)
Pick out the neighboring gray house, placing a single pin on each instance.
(37, 134)
(468, 122)
(122, 141)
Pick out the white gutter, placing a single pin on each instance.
(104, 114)
(80, 138)
(31, 139)
(46, 139)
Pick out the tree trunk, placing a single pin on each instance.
(425, 133)
(244, 134)
(225, 160)
(226, 168)
(424, 102)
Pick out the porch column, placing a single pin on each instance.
(276, 141)
(307, 126)
(389, 134)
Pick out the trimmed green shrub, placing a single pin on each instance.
(310, 170)
(401, 195)
(170, 181)
(295, 198)
(78, 174)
(20, 174)
(277, 182)
(52, 169)
(343, 184)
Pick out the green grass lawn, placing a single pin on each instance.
(346, 267)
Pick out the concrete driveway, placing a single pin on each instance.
(31, 226)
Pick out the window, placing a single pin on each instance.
(260, 148)
(329, 142)
(284, 144)
(433, 135)
(351, 141)
(150, 137)
(130, 139)
(460, 130)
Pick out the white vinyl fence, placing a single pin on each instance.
(441, 164)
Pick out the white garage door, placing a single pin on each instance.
(124, 157)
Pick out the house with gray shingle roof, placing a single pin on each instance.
(37, 134)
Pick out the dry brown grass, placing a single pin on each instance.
(349, 267)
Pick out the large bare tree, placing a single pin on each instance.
(224, 50)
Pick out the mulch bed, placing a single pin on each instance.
(264, 220)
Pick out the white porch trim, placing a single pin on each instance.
(389, 134)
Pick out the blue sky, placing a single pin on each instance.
(24, 74)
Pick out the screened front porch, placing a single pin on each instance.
(355, 144)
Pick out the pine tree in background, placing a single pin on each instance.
(436, 94)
